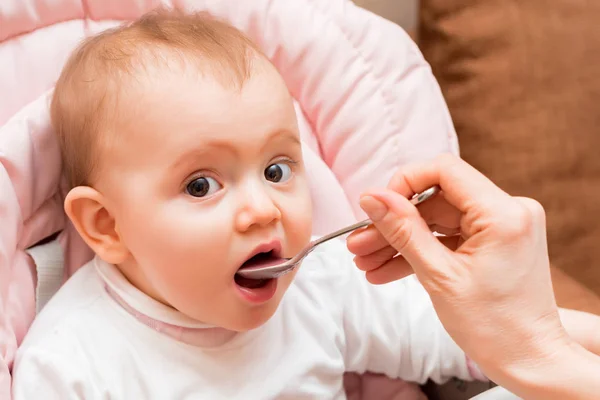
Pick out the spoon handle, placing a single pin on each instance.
(415, 200)
(343, 231)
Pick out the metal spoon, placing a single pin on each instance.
(277, 270)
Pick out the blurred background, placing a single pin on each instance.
(522, 82)
(402, 12)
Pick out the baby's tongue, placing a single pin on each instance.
(262, 260)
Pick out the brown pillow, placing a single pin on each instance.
(522, 81)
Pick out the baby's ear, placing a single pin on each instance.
(86, 210)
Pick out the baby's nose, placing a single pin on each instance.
(258, 209)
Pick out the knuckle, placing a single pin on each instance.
(517, 221)
(447, 161)
(400, 234)
(398, 180)
(362, 263)
(535, 208)
(372, 261)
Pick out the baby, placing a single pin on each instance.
(181, 146)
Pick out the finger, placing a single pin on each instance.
(369, 240)
(398, 268)
(399, 182)
(441, 217)
(402, 226)
(376, 259)
(366, 241)
(438, 212)
(393, 270)
(463, 186)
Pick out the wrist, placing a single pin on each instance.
(567, 371)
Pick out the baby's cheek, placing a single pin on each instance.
(300, 219)
(172, 236)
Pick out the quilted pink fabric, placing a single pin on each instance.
(366, 100)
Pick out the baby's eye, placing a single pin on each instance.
(279, 172)
(202, 186)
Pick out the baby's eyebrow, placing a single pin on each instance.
(207, 149)
(282, 135)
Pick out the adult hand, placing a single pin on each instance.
(491, 285)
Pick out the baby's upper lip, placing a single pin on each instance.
(273, 246)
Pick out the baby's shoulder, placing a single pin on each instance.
(76, 313)
(72, 344)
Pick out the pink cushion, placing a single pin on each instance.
(366, 101)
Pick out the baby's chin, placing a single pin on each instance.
(248, 318)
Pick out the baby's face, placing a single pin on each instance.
(200, 178)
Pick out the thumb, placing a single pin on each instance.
(402, 226)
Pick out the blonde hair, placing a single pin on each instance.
(97, 71)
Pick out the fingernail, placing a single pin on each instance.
(374, 208)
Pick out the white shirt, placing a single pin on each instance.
(86, 345)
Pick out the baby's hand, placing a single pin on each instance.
(583, 327)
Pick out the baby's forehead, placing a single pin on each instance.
(144, 73)
(153, 76)
(183, 109)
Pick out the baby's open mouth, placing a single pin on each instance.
(261, 259)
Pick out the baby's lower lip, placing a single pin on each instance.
(263, 292)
